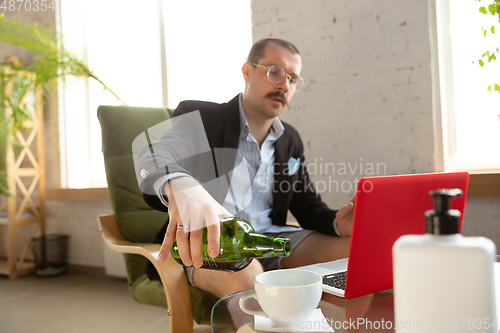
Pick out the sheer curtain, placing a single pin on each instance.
(151, 53)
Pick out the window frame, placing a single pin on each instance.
(482, 182)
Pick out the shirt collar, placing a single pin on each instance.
(277, 128)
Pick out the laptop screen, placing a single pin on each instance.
(386, 208)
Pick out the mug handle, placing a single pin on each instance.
(250, 312)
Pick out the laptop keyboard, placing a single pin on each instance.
(336, 280)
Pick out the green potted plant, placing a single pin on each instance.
(52, 62)
(492, 8)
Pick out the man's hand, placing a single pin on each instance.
(345, 216)
(191, 208)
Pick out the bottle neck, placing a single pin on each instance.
(442, 224)
(264, 246)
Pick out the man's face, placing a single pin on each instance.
(264, 98)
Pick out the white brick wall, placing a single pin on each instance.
(367, 67)
(78, 219)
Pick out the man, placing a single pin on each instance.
(273, 153)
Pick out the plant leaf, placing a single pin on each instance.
(491, 9)
(53, 61)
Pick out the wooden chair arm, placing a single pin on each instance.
(172, 274)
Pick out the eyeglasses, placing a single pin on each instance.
(276, 73)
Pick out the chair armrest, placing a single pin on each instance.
(172, 274)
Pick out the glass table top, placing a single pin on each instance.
(365, 314)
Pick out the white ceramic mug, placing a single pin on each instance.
(287, 296)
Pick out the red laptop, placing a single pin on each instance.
(386, 208)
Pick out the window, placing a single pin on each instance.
(470, 113)
(150, 53)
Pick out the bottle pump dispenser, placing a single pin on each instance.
(443, 280)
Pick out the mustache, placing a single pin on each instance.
(279, 94)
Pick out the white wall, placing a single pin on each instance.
(78, 219)
(482, 218)
(367, 67)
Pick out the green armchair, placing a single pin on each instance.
(132, 228)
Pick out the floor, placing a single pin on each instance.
(74, 303)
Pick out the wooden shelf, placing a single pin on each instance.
(78, 194)
(484, 184)
(25, 218)
(22, 268)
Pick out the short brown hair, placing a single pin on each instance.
(258, 49)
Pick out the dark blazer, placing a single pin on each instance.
(222, 126)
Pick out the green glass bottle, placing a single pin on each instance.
(238, 246)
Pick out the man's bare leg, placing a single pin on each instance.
(317, 248)
(220, 283)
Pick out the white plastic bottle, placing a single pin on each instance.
(443, 281)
